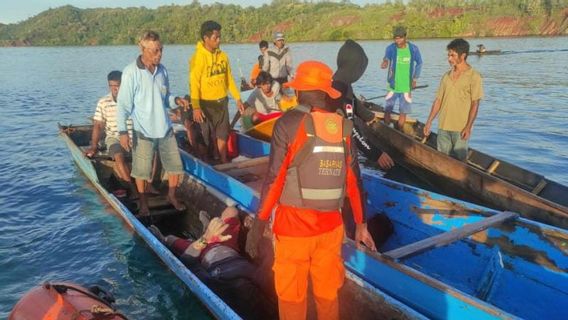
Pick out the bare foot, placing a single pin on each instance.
(143, 205)
(151, 190)
(178, 205)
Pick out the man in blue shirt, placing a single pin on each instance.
(145, 97)
(404, 65)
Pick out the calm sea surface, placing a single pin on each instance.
(54, 226)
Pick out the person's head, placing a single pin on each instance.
(279, 39)
(151, 48)
(313, 83)
(113, 79)
(211, 34)
(458, 49)
(399, 36)
(264, 81)
(263, 46)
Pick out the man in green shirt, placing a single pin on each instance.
(457, 102)
(404, 64)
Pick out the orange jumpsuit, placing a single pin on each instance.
(307, 241)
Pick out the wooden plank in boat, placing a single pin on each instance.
(449, 237)
(241, 164)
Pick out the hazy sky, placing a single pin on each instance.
(12, 11)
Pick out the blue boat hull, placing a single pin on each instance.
(517, 269)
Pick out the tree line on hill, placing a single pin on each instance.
(301, 21)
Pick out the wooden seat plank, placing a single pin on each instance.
(450, 236)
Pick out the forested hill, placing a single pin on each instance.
(301, 21)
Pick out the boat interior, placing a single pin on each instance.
(356, 300)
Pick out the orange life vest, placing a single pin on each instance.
(316, 176)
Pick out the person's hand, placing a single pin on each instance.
(214, 232)
(384, 64)
(253, 237)
(466, 133)
(125, 142)
(241, 106)
(89, 153)
(363, 237)
(426, 129)
(413, 83)
(182, 102)
(385, 161)
(198, 116)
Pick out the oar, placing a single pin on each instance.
(384, 95)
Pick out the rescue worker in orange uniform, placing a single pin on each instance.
(312, 168)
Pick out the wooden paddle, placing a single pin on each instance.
(384, 95)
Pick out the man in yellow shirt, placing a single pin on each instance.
(210, 80)
(457, 102)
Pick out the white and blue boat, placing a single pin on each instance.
(447, 259)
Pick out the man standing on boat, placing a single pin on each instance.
(313, 166)
(145, 97)
(278, 60)
(457, 102)
(210, 80)
(404, 64)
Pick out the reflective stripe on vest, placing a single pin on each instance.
(322, 194)
(316, 176)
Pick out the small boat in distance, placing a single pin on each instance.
(482, 51)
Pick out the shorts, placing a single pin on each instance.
(451, 143)
(186, 114)
(114, 147)
(143, 155)
(216, 119)
(404, 102)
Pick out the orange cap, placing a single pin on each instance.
(313, 75)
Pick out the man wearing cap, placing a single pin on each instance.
(278, 60)
(312, 168)
(404, 64)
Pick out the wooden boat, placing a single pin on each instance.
(447, 259)
(361, 299)
(482, 179)
(65, 301)
(485, 53)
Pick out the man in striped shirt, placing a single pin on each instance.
(105, 117)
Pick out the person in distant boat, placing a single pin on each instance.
(351, 64)
(145, 97)
(313, 167)
(404, 63)
(457, 102)
(263, 47)
(265, 99)
(215, 258)
(105, 119)
(278, 60)
(481, 48)
(210, 81)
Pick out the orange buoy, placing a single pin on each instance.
(62, 301)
